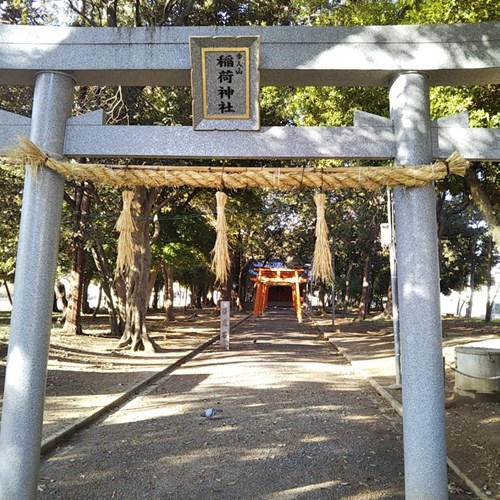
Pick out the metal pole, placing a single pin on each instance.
(24, 394)
(394, 286)
(424, 434)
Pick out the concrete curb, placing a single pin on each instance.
(398, 407)
(51, 442)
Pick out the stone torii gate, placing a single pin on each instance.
(406, 59)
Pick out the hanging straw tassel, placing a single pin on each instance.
(126, 226)
(221, 263)
(322, 260)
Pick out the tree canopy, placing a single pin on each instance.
(262, 224)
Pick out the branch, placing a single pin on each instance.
(166, 11)
(137, 12)
(190, 197)
(157, 229)
(82, 14)
(181, 20)
(483, 204)
(458, 209)
(69, 200)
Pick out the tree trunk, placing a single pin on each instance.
(244, 282)
(73, 322)
(348, 283)
(364, 303)
(237, 263)
(136, 276)
(197, 295)
(225, 291)
(490, 298)
(9, 296)
(471, 298)
(440, 216)
(320, 311)
(472, 283)
(73, 318)
(120, 296)
(60, 295)
(151, 285)
(116, 322)
(387, 313)
(483, 204)
(168, 276)
(99, 300)
(85, 295)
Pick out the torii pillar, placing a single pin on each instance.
(31, 320)
(424, 430)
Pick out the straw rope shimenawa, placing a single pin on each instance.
(322, 259)
(27, 153)
(241, 177)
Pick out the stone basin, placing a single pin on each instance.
(477, 363)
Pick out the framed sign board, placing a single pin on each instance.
(225, 82)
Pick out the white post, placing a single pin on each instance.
(394, 286)
(225, 310)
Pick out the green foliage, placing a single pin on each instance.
(25, 12)
(335, 106)
(464, 249)
(274, 105)
(346, 12)
(11, 183)
(16, 99)
(250, 12)
(450, 11)
(264, 224)
(287, 232)
(185, 242)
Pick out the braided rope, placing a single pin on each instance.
(27, 153)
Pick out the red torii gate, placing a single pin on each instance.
(268, 277)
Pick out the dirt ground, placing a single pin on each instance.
(88, 365)
(473, 429)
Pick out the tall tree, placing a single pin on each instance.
(283, 221)
(482, 180)
(136, 274)
(81, 206)
(11, 182)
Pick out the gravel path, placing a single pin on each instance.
(297, 422)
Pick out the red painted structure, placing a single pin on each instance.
(270, 277)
